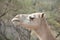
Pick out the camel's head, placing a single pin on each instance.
(30, 20)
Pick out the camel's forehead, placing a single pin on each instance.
(36, 15)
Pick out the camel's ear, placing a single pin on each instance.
(42, 15)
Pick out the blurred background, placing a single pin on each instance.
(10, 8)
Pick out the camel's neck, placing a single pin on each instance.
(44, 32)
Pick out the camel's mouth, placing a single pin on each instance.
(16, 20)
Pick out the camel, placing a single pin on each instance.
(36, 22)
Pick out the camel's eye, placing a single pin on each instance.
(31, 18)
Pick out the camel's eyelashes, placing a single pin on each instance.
(31, 18)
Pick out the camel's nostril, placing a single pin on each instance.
(15, 20)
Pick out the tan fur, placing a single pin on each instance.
(38, 24)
